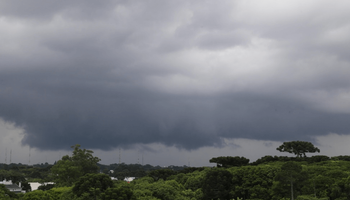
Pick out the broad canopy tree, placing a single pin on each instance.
(299, 148)
(229, 161)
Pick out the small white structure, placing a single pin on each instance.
(35, 185)
(129, 179)
(114, 178)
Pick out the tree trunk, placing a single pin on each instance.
(314, 188)
(291, 189)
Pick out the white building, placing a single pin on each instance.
(35, 185)
(12, 187)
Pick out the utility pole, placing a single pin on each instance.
(29, 157)
(119, 156)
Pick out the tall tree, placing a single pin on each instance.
(291, 176)
(85, 159)
(299, 148)
(68, 170)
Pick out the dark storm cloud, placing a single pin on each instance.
(182, 74)
(273, 118)
(56, 114)
(45, 10)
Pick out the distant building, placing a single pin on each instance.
(129, 179)
(13, 187)
(36, 185)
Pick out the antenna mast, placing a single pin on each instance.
(29, 156)
(6, 156)
(119, 156)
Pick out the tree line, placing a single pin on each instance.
(269, 178)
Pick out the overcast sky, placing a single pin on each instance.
(172, 82)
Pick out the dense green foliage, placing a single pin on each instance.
(317, 177)
(217, 184)
(92, 185)
(5, 193)
(268, 178)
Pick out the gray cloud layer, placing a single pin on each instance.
(185, 74)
